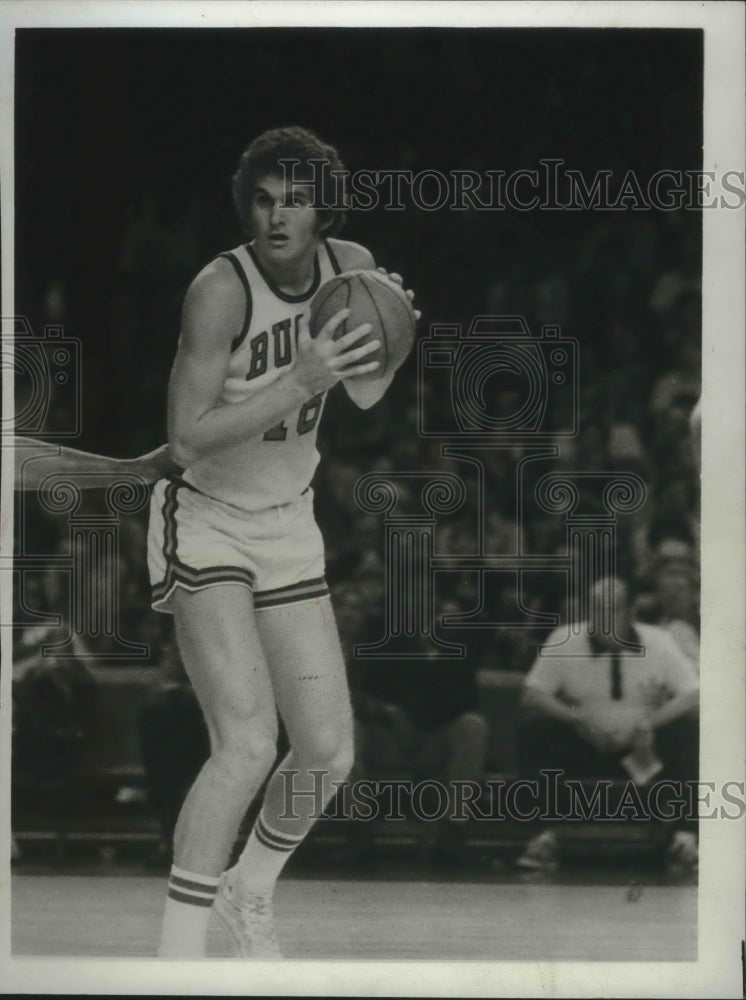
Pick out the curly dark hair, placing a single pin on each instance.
(263, 157)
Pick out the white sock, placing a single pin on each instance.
(264, 857)
(188, 903)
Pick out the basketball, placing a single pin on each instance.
(371, 298)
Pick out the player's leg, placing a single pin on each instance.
(223, 657)
(310, 683)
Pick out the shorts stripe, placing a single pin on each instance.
(177, 572)
(196, 578)
(306, 590)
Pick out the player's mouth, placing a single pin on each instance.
(278, 240)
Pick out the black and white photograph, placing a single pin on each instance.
(372, 536)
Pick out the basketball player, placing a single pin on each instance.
(36, 460)
(234, 551)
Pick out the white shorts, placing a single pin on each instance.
(195, 541)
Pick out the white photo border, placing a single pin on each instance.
(717, 971)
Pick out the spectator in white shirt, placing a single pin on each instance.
(599, 709)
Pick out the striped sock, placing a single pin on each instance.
(264, 856)
(188, 902)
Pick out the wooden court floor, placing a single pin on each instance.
(118, 916)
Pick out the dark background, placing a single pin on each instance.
(126, 141)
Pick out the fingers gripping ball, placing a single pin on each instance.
(371, 298)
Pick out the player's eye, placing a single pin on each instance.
(299, 199)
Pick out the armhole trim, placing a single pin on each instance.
(332, 258)
(237, 341)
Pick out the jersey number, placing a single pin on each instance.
(307, 420)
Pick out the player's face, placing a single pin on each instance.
(285, 224)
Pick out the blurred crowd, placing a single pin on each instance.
(633, 416)
(624, 285)
(638, 333)
(629, 294)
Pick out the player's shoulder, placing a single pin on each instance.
(351, 256)
(218, 277)
(215, 298)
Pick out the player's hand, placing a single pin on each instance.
(322, 361)
(398, 280)
(155, 465)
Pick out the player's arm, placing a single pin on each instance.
(36, 460)
(198, 422)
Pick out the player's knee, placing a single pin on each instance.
(344, 760)
(330, 751)
(243, 742)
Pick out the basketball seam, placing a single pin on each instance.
(384, 340)
(322, 299)
(348, 287)
(408, 312)
(400, 297)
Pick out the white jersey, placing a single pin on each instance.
(277, 466)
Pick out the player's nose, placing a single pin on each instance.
(275, 214)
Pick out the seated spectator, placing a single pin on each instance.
(419, 719)
(598, 711)
(672, 603)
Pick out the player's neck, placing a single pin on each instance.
(294, 277)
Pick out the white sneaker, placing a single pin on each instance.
(248, 919)
(540, 853)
